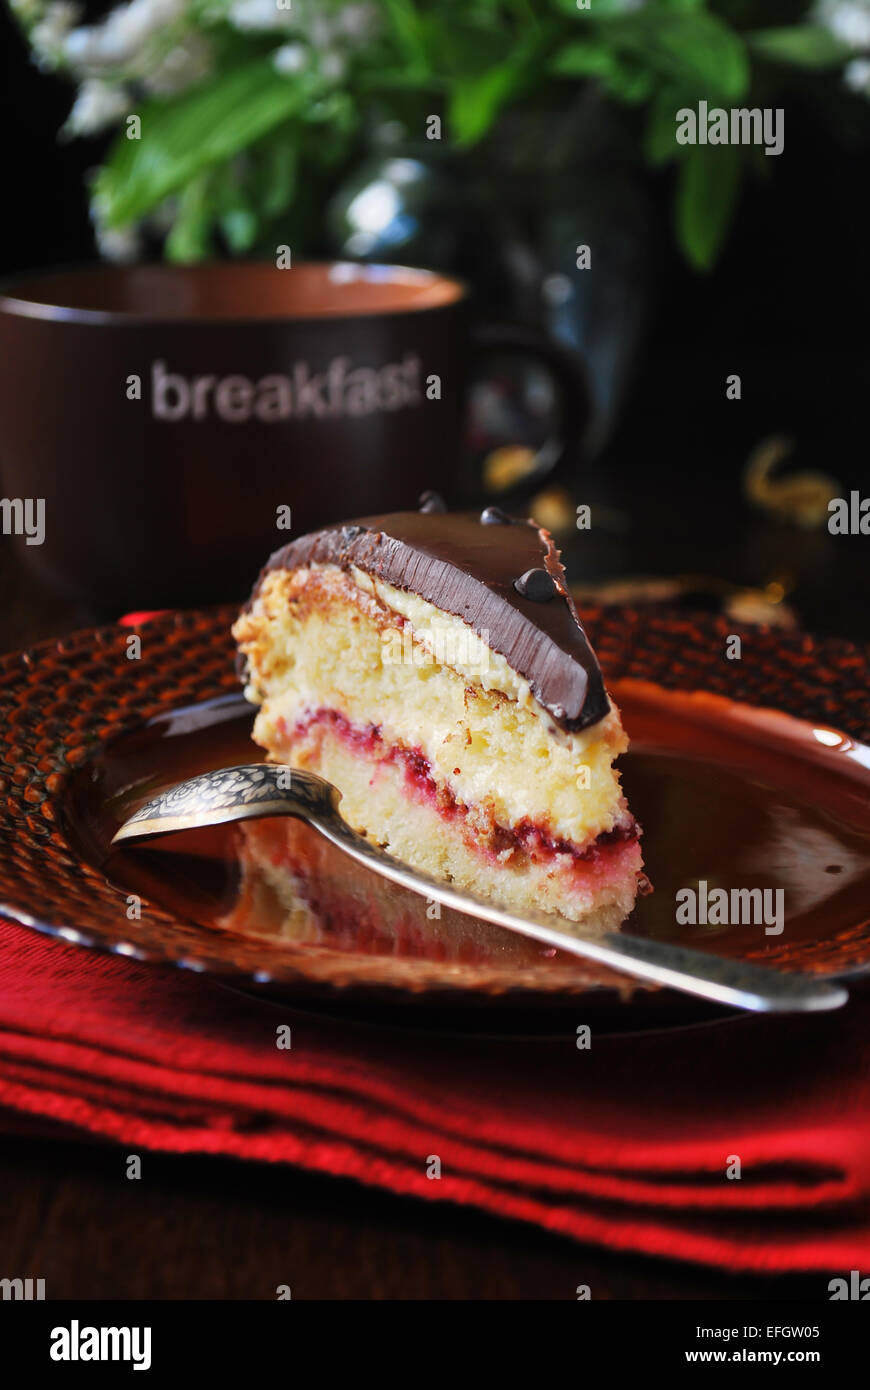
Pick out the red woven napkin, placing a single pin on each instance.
(625, 1144)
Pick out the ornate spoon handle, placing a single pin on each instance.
(264, 789)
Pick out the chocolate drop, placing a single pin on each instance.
(431, 502)
(537, 585)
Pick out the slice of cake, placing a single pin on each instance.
(431, 665)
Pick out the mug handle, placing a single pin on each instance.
(575, 406)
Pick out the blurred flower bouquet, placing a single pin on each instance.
(250, 112)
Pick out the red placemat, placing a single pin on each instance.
(626, 1144)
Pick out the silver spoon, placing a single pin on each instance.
(266, 789)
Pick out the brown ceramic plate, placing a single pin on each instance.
(727, 792)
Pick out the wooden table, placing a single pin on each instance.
(198, 1227)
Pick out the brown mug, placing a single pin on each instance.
(169, 426)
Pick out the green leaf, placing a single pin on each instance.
(192, 132)
(277, 177)
(240, 227)
(476, 99)
(707, 189)
(660, 134)
(583, 59)
(409, 29)
(190, 236)
(234, 207)
(333, 109)
(624, 77)
(803, 46)
(630, 82)
(692, 48)
(611, 10)
(389, 79)
(598, 9)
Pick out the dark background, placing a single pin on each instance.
(787, 308)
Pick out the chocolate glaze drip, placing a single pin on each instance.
(469, 569)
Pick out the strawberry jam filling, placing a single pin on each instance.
(526, 837)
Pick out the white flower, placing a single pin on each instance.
(319, 29)
(290, 58)
(358, 23)
(26, 10)
(48, 36)
(324, 29)
(333, 65)
(97, 105)
(122, 36)
(847, 20)
(260, 14)
(856, 76)
(118, 244)
(189, 61)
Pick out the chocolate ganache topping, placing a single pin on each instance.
(468, 566)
